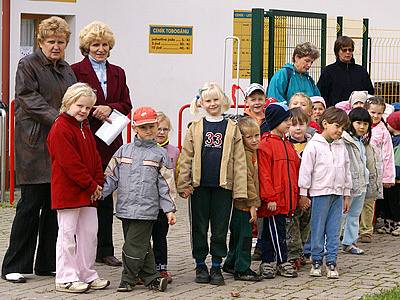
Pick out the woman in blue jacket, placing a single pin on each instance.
(293, 77)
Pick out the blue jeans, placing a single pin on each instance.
(326, 213)
(352, 223)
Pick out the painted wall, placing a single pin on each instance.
(167, 81)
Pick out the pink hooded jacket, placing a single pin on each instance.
(325, 168)
(382, 142)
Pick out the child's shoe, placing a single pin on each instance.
(216, 277)
(365, 238)
(286, 270)
(352, 249)
(124, 287)
(267, 270)
(248, 275)
(387, 228)
(256, 254)
(202, 275)
(396, 230)
(296, 264)
(159, 284)
(99, 284)
(228, 269)
(316, 270)
(166, 274)
(332, 272)
(72, 287)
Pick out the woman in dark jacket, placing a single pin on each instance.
(95, 42)
(340, 79)
(41, 81)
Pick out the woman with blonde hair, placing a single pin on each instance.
(109, 81)
(41, 81)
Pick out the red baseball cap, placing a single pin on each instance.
(144, 115)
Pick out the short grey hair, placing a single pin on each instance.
(305, 49)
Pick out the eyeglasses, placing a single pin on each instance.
(163, 129)
(347, 49)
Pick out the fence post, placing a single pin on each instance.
(339, 26)
(365, 43)
(271, 45)
(257, 45)
(323, 42)
(3, 153)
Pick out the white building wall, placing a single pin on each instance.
(167, 81)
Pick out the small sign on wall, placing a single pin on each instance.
(171, 39)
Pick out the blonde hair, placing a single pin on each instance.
(95, 31)
(304, 96)
(74, 92)
(248, 125)
(53, 26)
(210, 90)
(163, 117)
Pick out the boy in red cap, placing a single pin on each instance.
(145, 181)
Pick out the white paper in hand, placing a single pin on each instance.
(108, 132)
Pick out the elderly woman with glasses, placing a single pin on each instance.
(293, 77)
(109, 81)
(340, 79)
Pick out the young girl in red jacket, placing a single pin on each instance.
(76, 185)
(278, 165)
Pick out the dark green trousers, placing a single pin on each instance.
(137, 255)
(297, 232)
(210, 206)
(239, 255)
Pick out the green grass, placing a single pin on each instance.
(393, 294)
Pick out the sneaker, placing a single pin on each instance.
(216, 277)
(99, 284)
(316, 270)
(256, 254)
(286, 270)
(228, 269)
(72, 287)
(352, 249)
(159, 284)
(202, 275)
(332, 272)
(396, 231)
(267, 270)
(14, 277)
(387, 228)
(124, 287)
(248, 275)
(365, 238)
(166, 274)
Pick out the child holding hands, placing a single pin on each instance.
(76, 185)
(140, 172)
(212, 165)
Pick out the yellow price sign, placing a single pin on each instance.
(171, 39)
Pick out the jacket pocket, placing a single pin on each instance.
(34, 134)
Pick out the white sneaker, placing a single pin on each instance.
(332, 272)
(99, 284)
(72, 287)
(316, 270)
(15, 277)
(396, 231)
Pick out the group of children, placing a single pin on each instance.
(302, 175)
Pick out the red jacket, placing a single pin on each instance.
(278, 170)
(75, 163)
(117, 98)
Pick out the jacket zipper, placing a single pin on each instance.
(82, 131)
(290, 185)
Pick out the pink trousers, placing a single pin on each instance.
(76, 245)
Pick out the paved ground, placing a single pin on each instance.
(378, 269)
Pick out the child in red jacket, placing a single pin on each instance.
(76, 182)
(278, 165)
